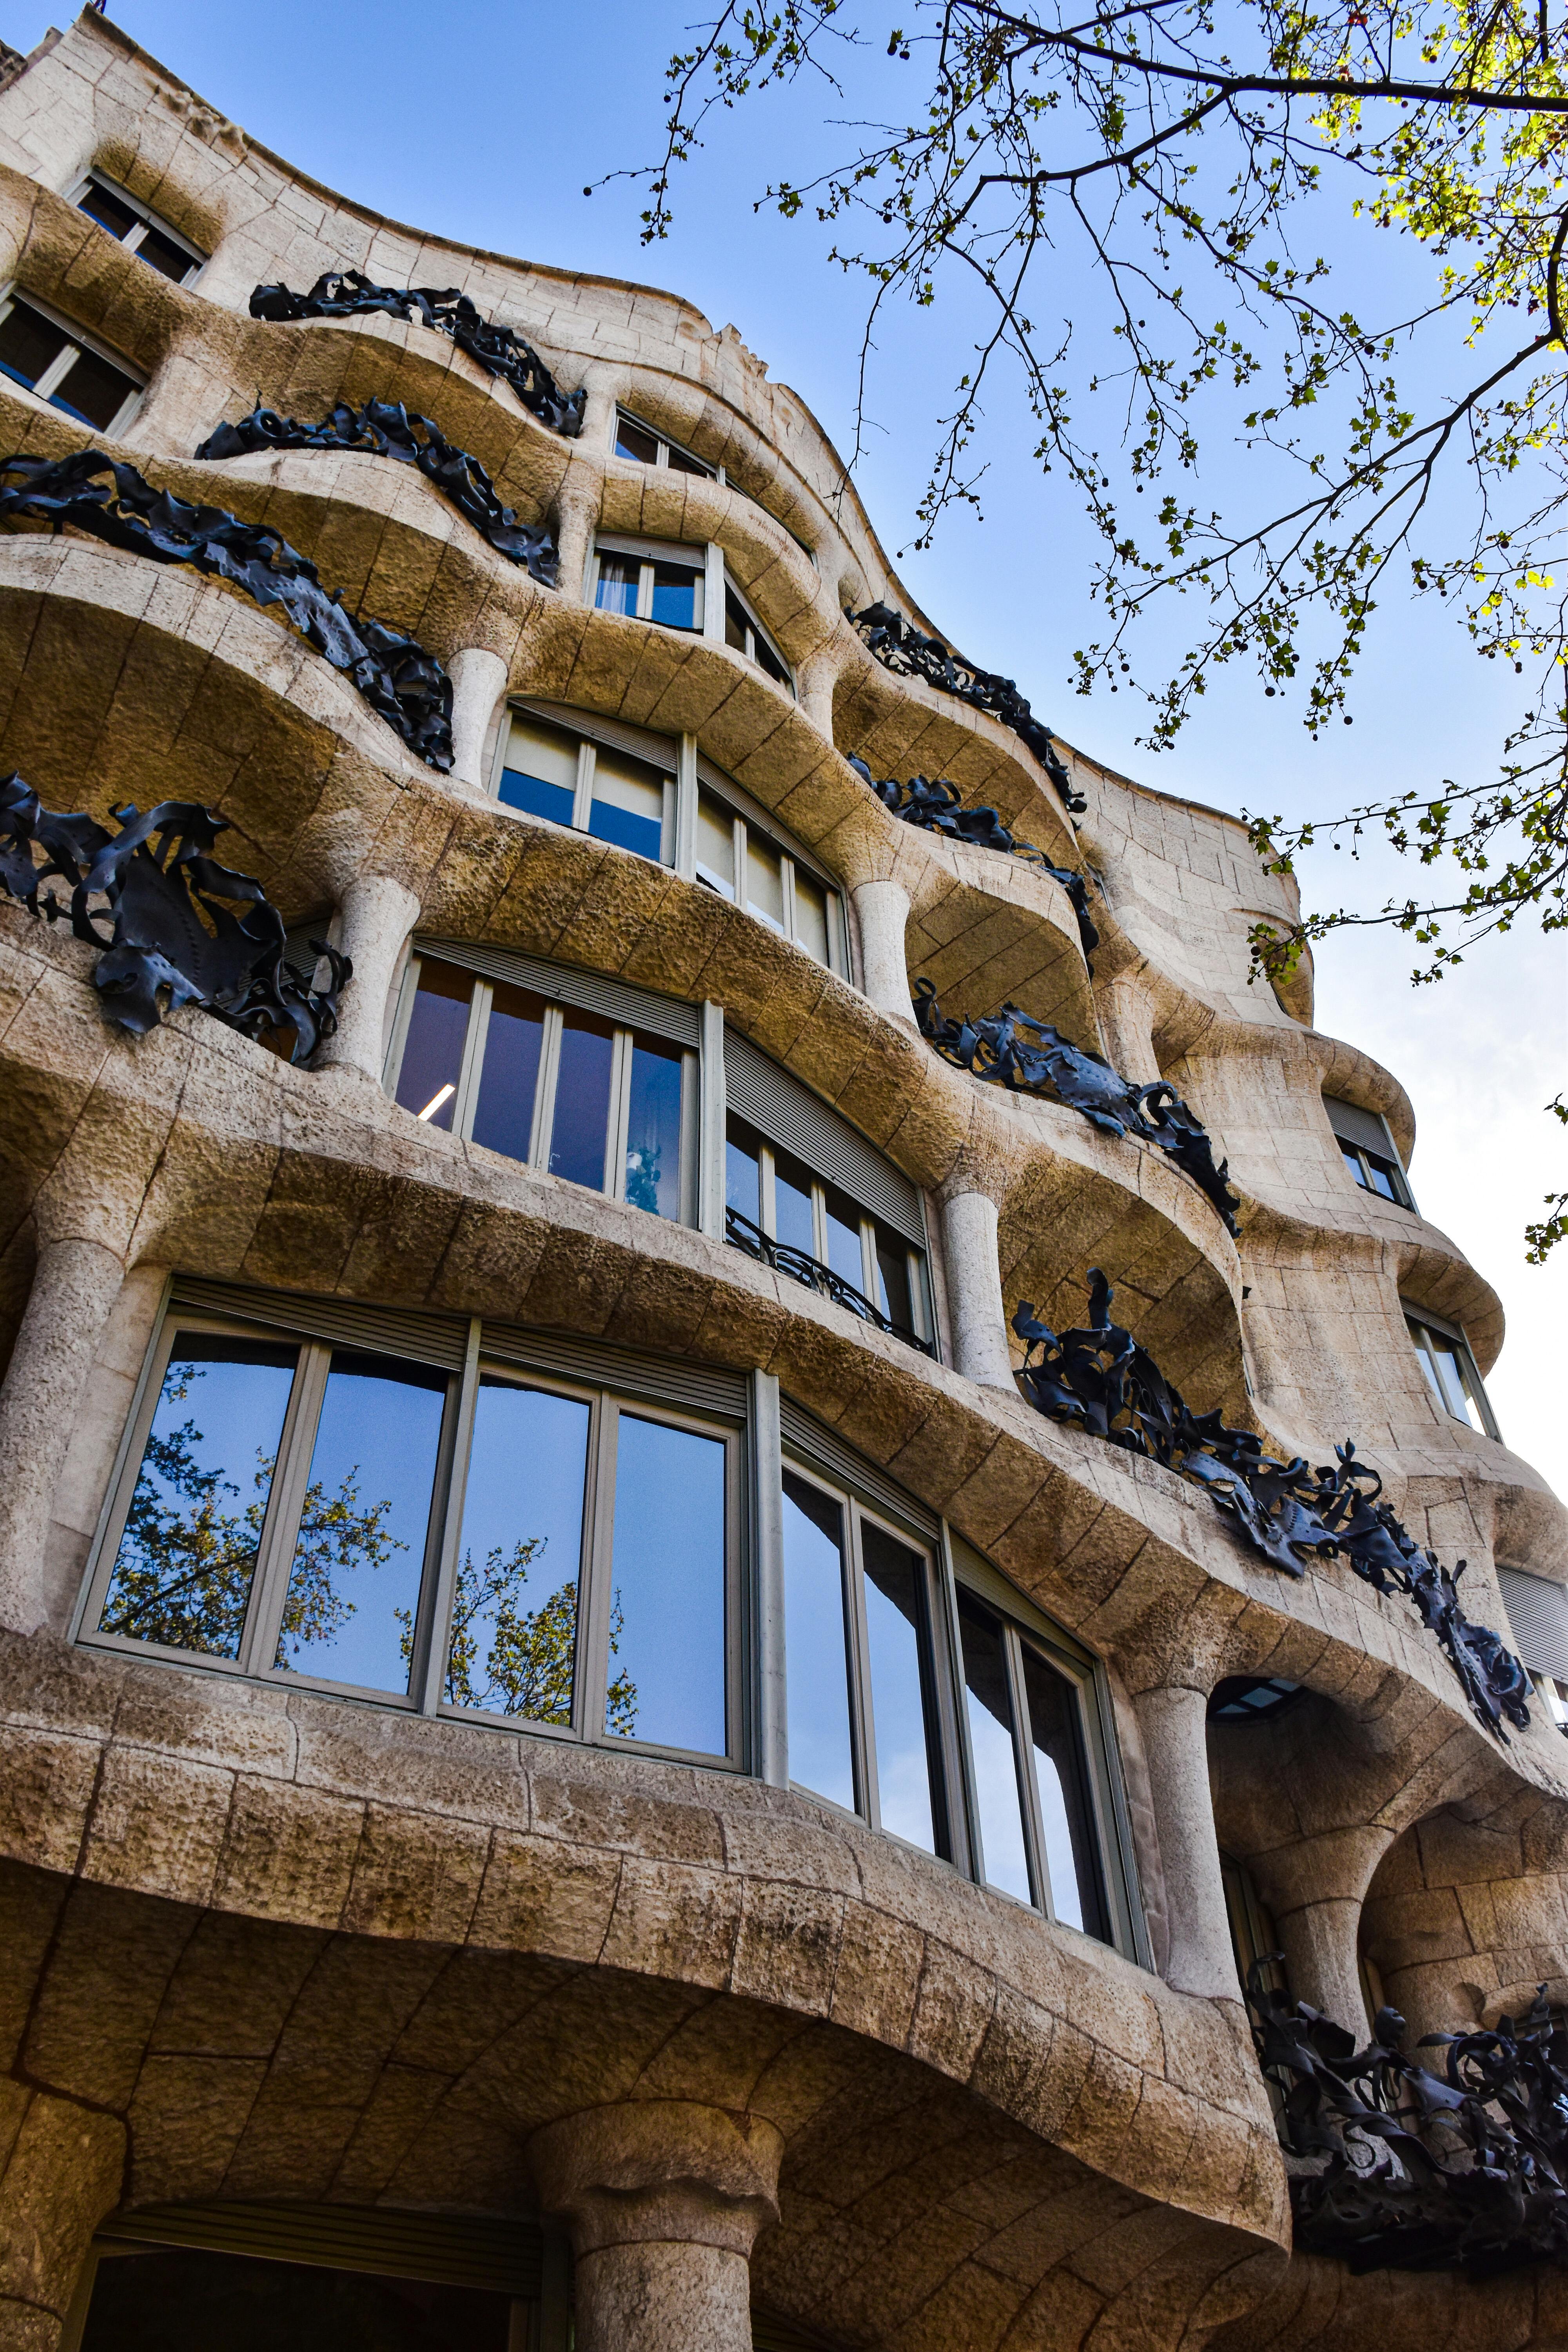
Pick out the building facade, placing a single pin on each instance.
(647, 1688)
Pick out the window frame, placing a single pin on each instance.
(465, 1102)
(761, 636)
(606, 1396)
(653, 750)
(649, 552)
(147, 219)
(746, 818)
(1353, 1129)
(78, 342)
(1110, 1819)
(665, 443)
(767, 1202)
(1423, 1326)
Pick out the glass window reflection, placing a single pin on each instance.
(816, 1653)
(509, 1075)
(432, 1052)
(653, 1128)
(578, 1132)
(513, 1643)
(666, 1681)
(895, 1614)
(992, 1748)
(1066, 1824)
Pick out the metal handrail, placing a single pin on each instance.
(814, 1276)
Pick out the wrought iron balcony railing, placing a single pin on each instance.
(811, 1272)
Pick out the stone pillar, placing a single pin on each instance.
(75, 1285)
(974, 1303)
(479, 681)
(663, 2200)
(814, 684)
(1127, 1019)
(377, 915)
(883, 908)
(62, 2174)
(577, 511)
(1315, 1891)
(1174, 1721)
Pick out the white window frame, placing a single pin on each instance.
(918, 1274)
(606, 1400)
(78, 342)
(588, 747)
(649, 551)
(1424, 1326)
(465, 1102)
(744, 824)
(147, 219)
(666, 443)
(756, 632)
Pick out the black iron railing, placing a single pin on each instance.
(814, 1276)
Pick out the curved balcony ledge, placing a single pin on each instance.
(207, 1153)
(267, 1805)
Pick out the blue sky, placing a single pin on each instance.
(483, 122)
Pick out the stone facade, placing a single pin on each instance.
(268, 1943)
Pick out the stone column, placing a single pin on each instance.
(973, 1273)
(61, 2176)
(376, 916)
(814, 684)
(1127, 1019)
(663, 2200)
(479, 681)
(1173, 1722)
(883, 908)
(75, 1285)
(1315, 1892)
(576, 512)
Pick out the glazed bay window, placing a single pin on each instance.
(139, 230)
(746, 858)
(478, 1534)
(745, 633)
(450, 1515)
(1371, 1155)
(64, 365)
(807, 1194)
(647, 580)
(569, 1074)
(615, 783)
(1450, 1370)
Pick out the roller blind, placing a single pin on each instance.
(772, 2333)
(788, 1115)
(1353, 1124)
(815, 1443)
(454, 2249)
(615, 1000)
(1538, 1612)
(668, 1381)
(344, 1322)
(641, 741)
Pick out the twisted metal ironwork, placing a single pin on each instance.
(900, 646)
(170, 939)
(935, 805)
(348, 293)
(811, 1272)
(96, 493)
(1096, 1377)
(1012, 1049)
(384, 428)
(1400, 2168)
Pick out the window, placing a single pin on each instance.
(652, 582)
(482, 1538)
(560, 1086)
(639, 441)
(1371, 1158)
(777, 1210)
(589, 782)
(139, 230)
(1450, 1370)
(1254, 1937)
(1538, 1615)
(65, 366)
(745, 633)
(745, 860)
(863, 1727)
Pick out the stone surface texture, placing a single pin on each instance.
(260, 1942)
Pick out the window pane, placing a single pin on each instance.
(767, 660)
(736, 627)
(540, 771)
(816, 1646)
(1451, 1374)
(765, 881)
(1057, 1740)
(742, 1172)
(667, 1603)
(810, 916)
(793, 1223)
(653, 1128)
(1382, 1177)
(432, 1052)
(676, 596)
(633, 441)
(1352, 1161)
(629, 803)
(580, 1127)
(513, 1650)
(93, 391)
(893, 1294)
(1423, 1354)
(29, 341)
(894, 1575)
(170, 261)
(715, 844)
(358, 1559)
(110, 212)
(844, 1239)
(504, 1114)
(187, 1558)
(617, 588)
(681, 463)
(991, 1747)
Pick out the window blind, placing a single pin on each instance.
(788, 1115)
(1538, 1612)
(454, 2249)
(659, 751)
(344, 1322)
(816, 1443)
(615, 1000)
(1353, 1124)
